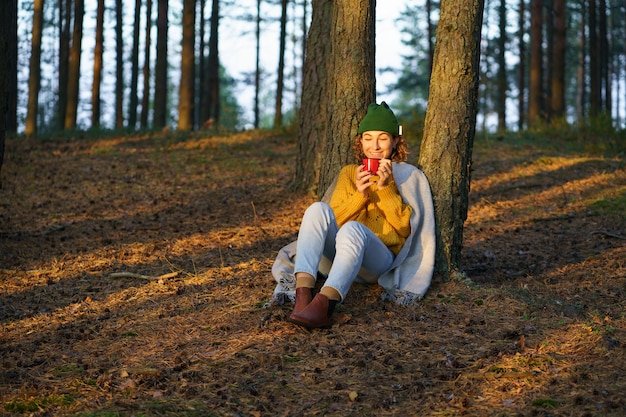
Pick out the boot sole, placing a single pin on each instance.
(309, 326)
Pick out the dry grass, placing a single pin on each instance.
(539, 331)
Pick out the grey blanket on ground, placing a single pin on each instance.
(410, 275)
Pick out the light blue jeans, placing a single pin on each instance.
(350, 248)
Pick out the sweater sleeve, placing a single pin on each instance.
(346, 201)
(396, 211)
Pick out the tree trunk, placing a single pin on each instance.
(278, 109)
(536, 63)
(134, 74)
(6, 15)
(257, 70)
(351, 83)
(502, 79)
(558, 61)
(213, 67)
(65, 18)
(119, 69)
(34, 79)
(9, 26)
(201, 79)
(145, 101)
(605, 71)
(71, 112)
(312, 120)
(581, 73)
(97, 66)
(521, 70)
(446, 149)
(595, 95)
(431, 36)
(160, 81)
(186, 90)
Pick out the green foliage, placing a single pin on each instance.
(595, 136)
(545, 403)
(611, 206)
(24, 406)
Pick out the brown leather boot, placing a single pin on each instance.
(318, 314)
(304, 295)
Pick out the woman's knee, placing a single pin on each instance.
(352, 231)
(318, 207)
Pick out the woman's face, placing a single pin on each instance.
(377, 144)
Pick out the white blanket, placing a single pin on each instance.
(410, 274)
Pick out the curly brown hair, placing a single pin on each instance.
(399, 154)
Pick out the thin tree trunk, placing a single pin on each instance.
(97, 66)
(34, 79)
(521, 70)
(6, 16)
(119, 69)
(536, 63)
(581, 72)
(186, 90)
(10, 35)
(213, 66)
(257, 70)
(134, 74)
(595, 84)
(145, 102)
(502, 79)
(201, 78)
(558, 61)
(71, 112)
(161, 82)
(446, 149)
(65, 13)
(605, 70)
(278, 110)
(431, 36)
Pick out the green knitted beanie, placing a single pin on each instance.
(379, 117)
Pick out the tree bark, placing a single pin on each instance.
(186, 90)
(278, 109)
(213, 67)
(145, 101)
(161, 82)
(595, 84)
(9, 28)
(65, 13)
(351, 83)
(502, 79)
(312, 120)
(97, 66)
(201, 79)
(34, 79)
(339, 83)
(6, 13)
(521, 70)
(73, 85)
(134, 74)
(558, 61)
(535, 88)
(581, 72)
(119, 68)
(446, 149)
(257, 68)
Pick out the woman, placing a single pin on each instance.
(376, 227)
(364, 225)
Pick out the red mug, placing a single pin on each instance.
(371, 164)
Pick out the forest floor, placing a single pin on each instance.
(134, 272)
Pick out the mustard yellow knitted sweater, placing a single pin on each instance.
(383, 212)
